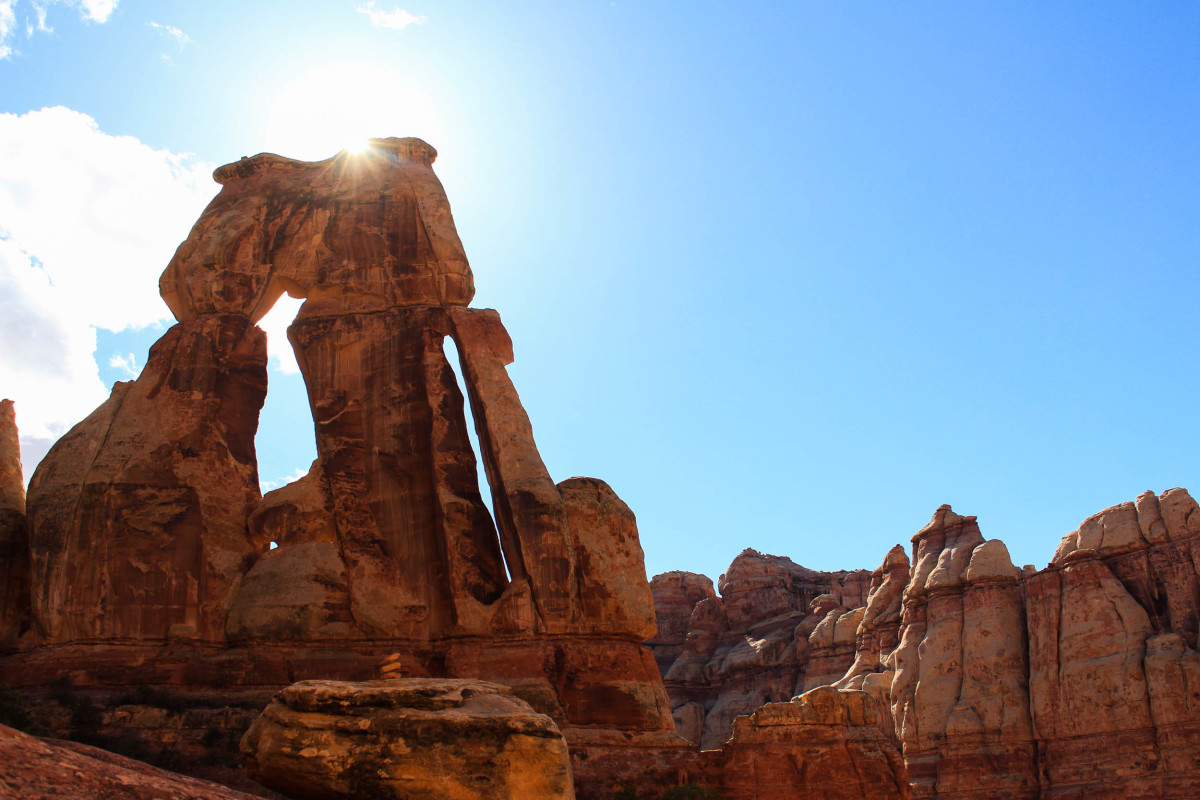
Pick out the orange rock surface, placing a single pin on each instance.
(404, 738)
(826, 744)
(725, 656)
(46, 769)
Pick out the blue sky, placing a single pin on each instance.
(786, 275)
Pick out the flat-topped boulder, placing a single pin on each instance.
(435, 739)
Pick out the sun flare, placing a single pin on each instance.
(340, 106)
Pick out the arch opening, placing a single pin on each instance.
(286, 442)
(450, 349)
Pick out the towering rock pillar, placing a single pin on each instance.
(960, 697)
(14, 534)
(139, 513)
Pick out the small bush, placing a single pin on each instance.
(691, 791)
(626, 793)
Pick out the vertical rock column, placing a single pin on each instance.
(1114, 673)
(14, 533)
(138, 514)
(959, 695)
(421, 553)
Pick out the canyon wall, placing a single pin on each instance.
(1082, 679)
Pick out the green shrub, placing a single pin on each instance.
(626, 793)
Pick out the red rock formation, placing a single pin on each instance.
(675, 595)
(1114, 673)
(823, 745)
(960, 691)
(152, 548)
(879, 632)
(751, 645)
(42, 769)
(14, 534)
(138, 514)
(436, 739)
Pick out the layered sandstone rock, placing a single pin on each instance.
(436, 739)
(14, 534)
(879, 632)
(355, 233)
(41, 769)
(1114, 674)
(751, 645)
(826, 744)
(675, 595)
(156, 560)
(138, 514)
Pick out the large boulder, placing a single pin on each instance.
(433, 739)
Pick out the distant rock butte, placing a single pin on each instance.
(1081, 680)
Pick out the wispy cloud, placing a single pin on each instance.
(8, 21)
(90, 10)
(397, 19)
(268, 486)
(126, 363)
(180, 38)
(173, 34)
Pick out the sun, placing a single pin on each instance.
(339, 106)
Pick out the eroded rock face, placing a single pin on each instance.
(14, 534)
(751, 645)
(826, 744)
(1113, 663)
(675, 595)
(355, 233)
(436, 739)
(138, 514)
(960, 692)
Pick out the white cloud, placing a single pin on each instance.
(126, 363)
(180, 38)
(267, 486)
(96, 10)
(88, 221)
(90, 10)
(8, 21)
(396, 19)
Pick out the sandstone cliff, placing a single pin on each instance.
(1082, 679)
(726, 656)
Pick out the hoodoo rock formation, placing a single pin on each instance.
(725, 656)
(1081, 680)
(152, 558)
